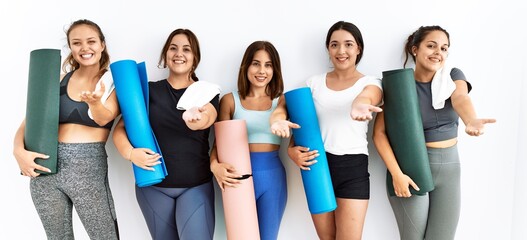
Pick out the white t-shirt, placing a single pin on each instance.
(340, 133)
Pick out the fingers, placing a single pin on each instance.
(488, 120)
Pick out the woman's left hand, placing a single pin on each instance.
(282, 128)
(363, 112)
(193, 114)
(476, 127)
(90, 97)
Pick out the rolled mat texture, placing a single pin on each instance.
(317, 181)
(402, 119)
(42, 106)
(131, 86)
(239, 203)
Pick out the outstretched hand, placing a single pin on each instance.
(90, 97)
(476, 127)
(363, 112)
(193, 114)
(282, 128)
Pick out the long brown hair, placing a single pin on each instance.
(275, 88)
(104, 62)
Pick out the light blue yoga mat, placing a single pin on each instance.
(317, 181)
(131, 86)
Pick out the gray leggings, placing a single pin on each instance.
(81, 181)
(178, 213)
(435, 215)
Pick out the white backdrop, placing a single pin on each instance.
(487, 43)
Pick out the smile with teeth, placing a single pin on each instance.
(260, 78)
(179, 61)
(86, 56)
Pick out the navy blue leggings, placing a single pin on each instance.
(178, 213)
(270, 187)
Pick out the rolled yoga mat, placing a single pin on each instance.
(239, 203)
(131, 86)
(404, 128)
(42, 107)
(317, 181)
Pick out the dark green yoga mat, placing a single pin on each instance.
(42, 106)
(404, 128)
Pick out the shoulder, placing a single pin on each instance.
(316, 80)
(457, 74)
(371, 80)
(227, 100)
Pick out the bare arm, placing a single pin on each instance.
(102, 113)
(142, 157)
(200, 118)
(25, 158)
(280, 126)
(401, 181)
(224, 173)
(366, 103)
(462, 104)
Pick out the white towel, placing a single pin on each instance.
(198, 94)
(442, 86)
(107, 79)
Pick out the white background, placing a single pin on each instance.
(488, 42)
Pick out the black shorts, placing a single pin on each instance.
(349, 175)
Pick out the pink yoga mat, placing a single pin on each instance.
(239, 204)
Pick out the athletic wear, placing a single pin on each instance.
(441, 124)
(341, 134)
(81, 181)
(258, 128)
(182, 205)
(186, 152)
(178, 213)
(270, 188)
(349, 175)
(71, 111)
(433, 216)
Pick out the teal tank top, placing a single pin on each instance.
(258, 128)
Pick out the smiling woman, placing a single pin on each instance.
(186, 195)
(85, 120)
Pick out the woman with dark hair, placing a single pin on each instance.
(182, 205)
(86, 117)
(260, 102)
(442, 93)
(344, 101)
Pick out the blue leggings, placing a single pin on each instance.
(178, 213)
(270, 187)
(435, 215)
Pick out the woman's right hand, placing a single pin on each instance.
(401, 185)
(144, 158)
(302, 157)
(224, 174)
(26, 162)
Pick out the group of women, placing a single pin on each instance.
(182, 205)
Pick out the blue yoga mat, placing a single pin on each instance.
(317, 181)
(131, 86)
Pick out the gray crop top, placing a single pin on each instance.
(441, 124)
(71, 111)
